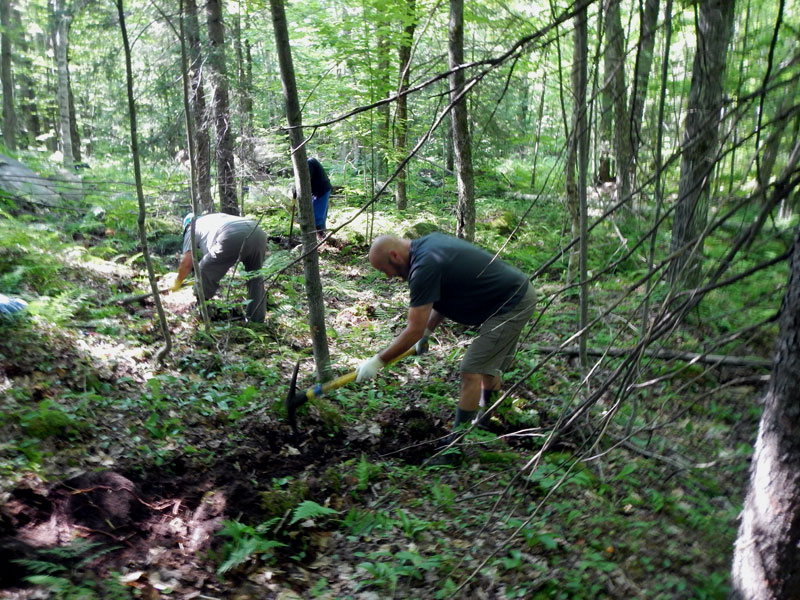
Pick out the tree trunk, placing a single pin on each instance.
(614, 63)
(580, 131)
(202, 158)
(384, 111)
(27, 96)
(162, 353)
(714, 29)
(641, 75)
(402, 102)
(462, 147)
(244, 80)
(226, 174)
(6, 77)
(61, 23)
(73, 124)
(767, 550)
(570, 183)
(302, 182)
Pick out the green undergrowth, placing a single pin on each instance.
(646, 510)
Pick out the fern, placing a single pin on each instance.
(42, 567)
(246, 542)
(308, 509)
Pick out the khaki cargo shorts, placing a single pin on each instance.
(493, 349)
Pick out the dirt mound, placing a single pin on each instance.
(161, 517)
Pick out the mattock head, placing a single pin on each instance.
(293, 402)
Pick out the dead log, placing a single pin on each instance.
(712, 359)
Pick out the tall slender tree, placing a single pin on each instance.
(699, 146)
(462, 145)
(28, 108)
(406, 43)
(6, 77)
(137, 170)
(226, 173)
(302, 180)
(648, 18)
(202, 146)
(614, 62)
(580, 131)
(61, 21)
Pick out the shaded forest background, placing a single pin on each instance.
(639, 160)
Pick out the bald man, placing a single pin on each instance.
(451, 278)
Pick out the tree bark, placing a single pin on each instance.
(383, 127)
(226, 174)
(580, 132)
(6, 76)
(614, 63)
(302, 182)
(714, 29)
(462, 146)
(73, 124)
(164, 351)
(202, 146)
(244, 83)
(641, 75)
(767, 550)
(62, 19)
(402, 101)
(27, 96)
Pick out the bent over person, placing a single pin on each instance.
(222, 239)
(449, 277)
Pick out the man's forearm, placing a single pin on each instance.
(185, 267)
(400, 344)
(434, 320)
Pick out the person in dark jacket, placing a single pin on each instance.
(222, 239)
(452, 278)
(320, 194)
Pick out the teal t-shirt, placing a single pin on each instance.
(464, 282)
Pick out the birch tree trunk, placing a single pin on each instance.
(226, 173)
(767, 551)
(714, 29)
(302, 182)
(462, 146)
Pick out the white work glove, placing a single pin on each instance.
(368, 368)
(421, 347)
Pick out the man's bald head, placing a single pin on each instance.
(390, 255)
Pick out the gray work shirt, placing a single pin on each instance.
(211, 230)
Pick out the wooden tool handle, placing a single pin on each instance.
(342, 380)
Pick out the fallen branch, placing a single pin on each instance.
(715, 359)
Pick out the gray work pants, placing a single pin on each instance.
(231, 245)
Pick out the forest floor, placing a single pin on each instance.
(122, 478)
